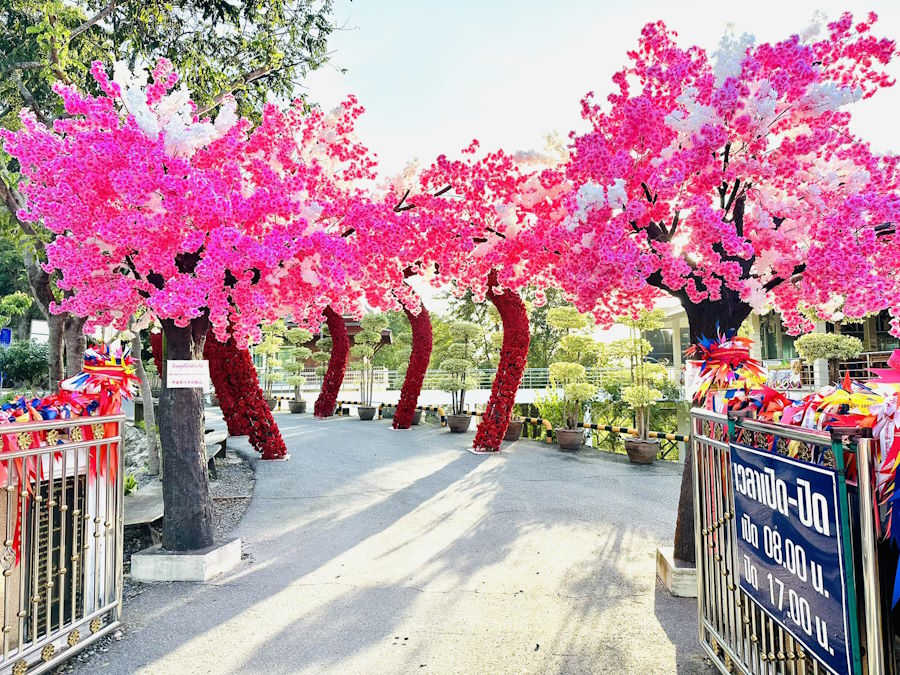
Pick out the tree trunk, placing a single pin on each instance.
(705, 319)
(188, 519)
(711, 317)
(56, 328)
(149, 414)
(337, 364)
(419, 356)
(684, 525)
(75, 342)
(240, 397)
(513, 357)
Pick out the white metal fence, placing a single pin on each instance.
(61, 512)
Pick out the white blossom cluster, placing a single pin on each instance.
(172, 114)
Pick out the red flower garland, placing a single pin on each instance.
(513, 357)
(337, 364)
(240, 397)
(418, 364)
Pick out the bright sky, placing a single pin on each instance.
(434, 75)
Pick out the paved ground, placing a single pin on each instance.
(375, 551)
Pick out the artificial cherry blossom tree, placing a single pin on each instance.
(735, 183)
(482, 216)
(201, 222)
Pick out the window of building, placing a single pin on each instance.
(661, 343)
(885, 341)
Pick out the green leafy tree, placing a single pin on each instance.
(366, 344)
(321, 356)
(13, 305)
(486, 316)
(298, 355)
(545, 337)
(833, 347)
(566, 409)
(24, 364)
(459, 364)
(248, 49)
(270, 347)
(644, 380)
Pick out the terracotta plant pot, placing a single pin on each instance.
(459, 423)
(366, 412)
(569, 439)
(417, 417)
(271, 402)
(641, 451)
(514, 430)
(297, 406)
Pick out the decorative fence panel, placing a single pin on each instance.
(61, 497)
(741, 628)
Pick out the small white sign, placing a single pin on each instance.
(187, 375)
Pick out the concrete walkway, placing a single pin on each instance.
(375, 551)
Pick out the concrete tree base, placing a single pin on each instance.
(155, 564)
(679, 578)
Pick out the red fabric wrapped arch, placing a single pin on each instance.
(337, 364)
(513, 357)
(418, 365)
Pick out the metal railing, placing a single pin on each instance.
(860, 367)
(735, 632)
(62, 518)
(483, 378)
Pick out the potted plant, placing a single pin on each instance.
(571, 378)
(270, 348)
(514, 430)
(645, 378)
(366, 344)
(296, 364)
(458, 377)
(833, 347)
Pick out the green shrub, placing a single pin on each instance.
(25, 363)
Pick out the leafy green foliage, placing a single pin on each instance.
(253, 49)
(297, 356)
(366, 344)
(828, 346)
(640, 384)
(13, 305)
(460, 361)
(24, 364)
(131, 484)
(567, 318)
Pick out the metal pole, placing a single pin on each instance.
(871, 585)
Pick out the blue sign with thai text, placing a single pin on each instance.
(789, 549)
(5, 337)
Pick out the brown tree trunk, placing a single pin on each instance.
(149, 414)
(56, 328)
(705, 319)
(188, 519)
(75, 342)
